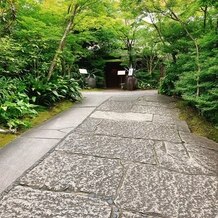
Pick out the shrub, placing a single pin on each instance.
(14, 103)
(11, 60)
(167, 83)
(146, 80)
(19, 98)
(46, 93)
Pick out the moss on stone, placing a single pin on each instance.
(198, 124)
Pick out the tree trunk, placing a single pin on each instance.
(205, 16)
(62, 42)
(162, 70)
(174, 57)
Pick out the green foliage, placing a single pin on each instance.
(20, 97)
(191, 39)
(167, 83)
(146, 80)
(14, 103)
(207, 101)
(174, 39)
(48, 93)
(11, 60)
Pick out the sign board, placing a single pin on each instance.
(130, 72)
(121, 72)
(83, 71)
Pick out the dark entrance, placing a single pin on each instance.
(112, 79)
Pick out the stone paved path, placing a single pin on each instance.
(131, 158)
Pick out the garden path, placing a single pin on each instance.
(130, 158)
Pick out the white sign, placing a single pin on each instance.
(121, 72)
(83, 71)
(130, 72)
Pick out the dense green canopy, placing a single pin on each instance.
(172, 44)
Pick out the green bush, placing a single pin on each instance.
(146, 80)
(14, 103)
(167, 83)
(46, 93)
(11, 60)
(19, 98)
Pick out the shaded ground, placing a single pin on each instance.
(131, 158)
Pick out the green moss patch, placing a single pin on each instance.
(196, 122)
(6, 138)
(47, 114)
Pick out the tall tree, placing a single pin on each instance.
(76, 9)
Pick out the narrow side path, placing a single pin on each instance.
(22, 153)
(130, 158)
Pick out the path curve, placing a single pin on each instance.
(131, 158)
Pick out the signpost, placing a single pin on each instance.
(121, 73)
(130, 73)
(83, 71)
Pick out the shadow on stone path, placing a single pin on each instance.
(131, 158)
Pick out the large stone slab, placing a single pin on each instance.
(147, 189)
(62, 171)
(154, 110)
(20, 155)
(180, 124)
(157, 98)
(23, 202)
(122, 116)
(128, 214)
(155, 104)
(176, 157)
(206, 158)
(125, 98)
(200, 141)
(116, 106)
(133, 129)
(136, 150)
(163, 119)
(89, 125)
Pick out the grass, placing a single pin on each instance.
(42, 116)
(196, 122)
